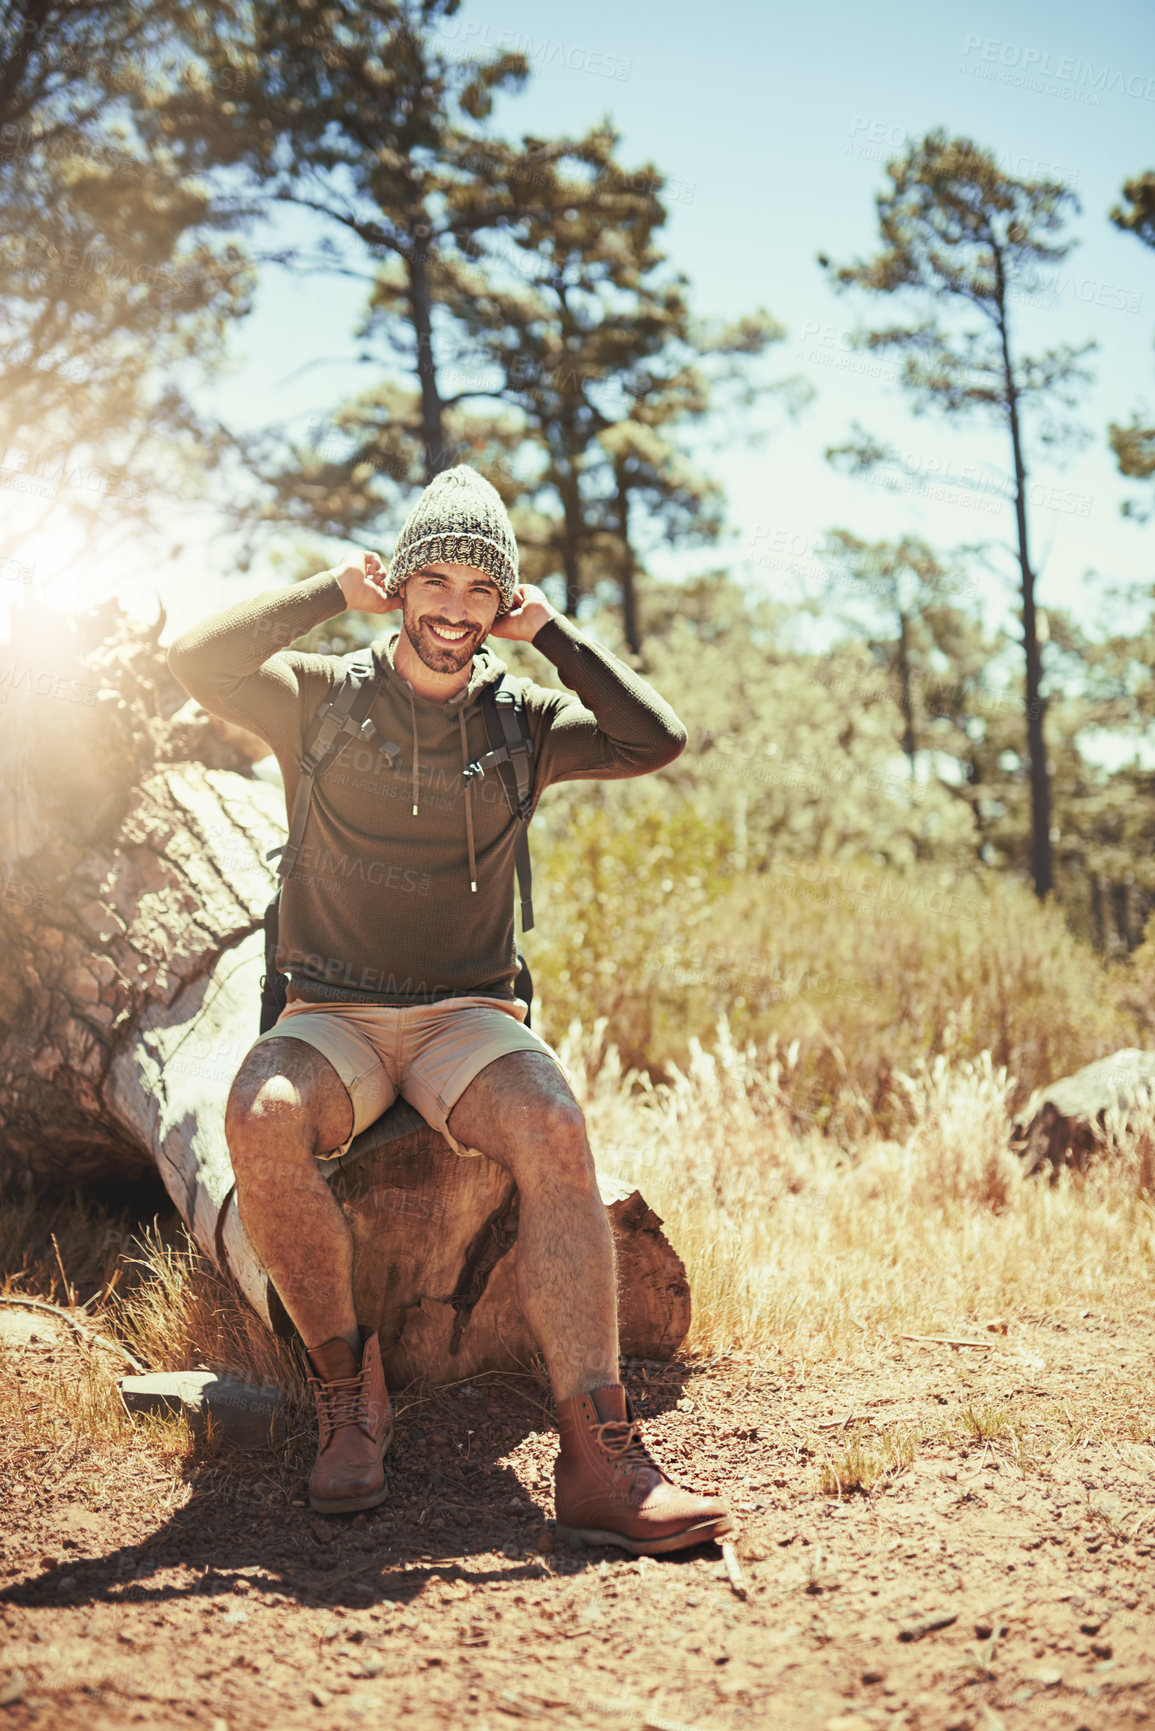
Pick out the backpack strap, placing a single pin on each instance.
(511, 754)
(343, 715)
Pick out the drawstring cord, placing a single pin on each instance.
(416, 751)
(468, 802)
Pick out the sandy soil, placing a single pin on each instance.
(997, 1581)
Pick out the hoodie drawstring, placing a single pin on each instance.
(468, 803)
(416, 752)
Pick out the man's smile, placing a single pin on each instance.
(448, 633)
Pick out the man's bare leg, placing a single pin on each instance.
(286, 1106)
(608, 1489)
(521, 1112)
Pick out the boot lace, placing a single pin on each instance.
(621, 1440)
(341, 1403)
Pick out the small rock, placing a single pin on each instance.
(1047, 1678)
(235, 1617)
(242, 1414)
(373, 1665)
(330, 1631)
(1091, 1625)
(984, 1629)
(927, 1625)
(12, 1689)
(848, 1722)
(1102, 1649)
(873, 1676)
(319, 1697)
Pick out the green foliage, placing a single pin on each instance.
(958, 236)
(113, 267)
(1134, 444)
(786, 873)
(861, 971)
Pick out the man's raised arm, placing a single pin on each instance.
(611, 723)
(234, 662)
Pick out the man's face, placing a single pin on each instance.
(448, 612)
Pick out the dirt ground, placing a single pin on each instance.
(999, 1571)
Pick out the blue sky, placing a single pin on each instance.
(774, 124)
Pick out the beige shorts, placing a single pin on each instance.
(428, 1053)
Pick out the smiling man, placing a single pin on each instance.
(397, 933)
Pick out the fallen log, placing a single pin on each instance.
(133, 836)
(1064, 1123)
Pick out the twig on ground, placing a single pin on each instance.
(950, 1340)
(851, 1418)
(85, 1333)
(734, 1569)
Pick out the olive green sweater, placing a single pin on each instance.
(380, 908)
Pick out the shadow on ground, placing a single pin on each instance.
(456, 1508)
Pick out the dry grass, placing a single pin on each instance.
(795, 1245)
(180, 1314)
(862, 1460)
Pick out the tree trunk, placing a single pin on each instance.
(630, 626)
(571, 533)
(421, 313)
(1042, 869)
(906, 694)
(134, 837)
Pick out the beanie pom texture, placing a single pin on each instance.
(459, 519)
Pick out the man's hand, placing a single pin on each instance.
(361, 577)
(529, 613)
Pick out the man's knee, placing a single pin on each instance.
(288, 1094)
(521, 1111)
(553, 1146)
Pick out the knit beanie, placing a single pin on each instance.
(458, 520)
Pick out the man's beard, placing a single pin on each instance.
(439, 657)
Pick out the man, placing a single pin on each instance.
(396, 930)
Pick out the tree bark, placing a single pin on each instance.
(421, 313)
(1042, 867)
(134, 837)
(630, 626)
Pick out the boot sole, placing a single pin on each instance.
(699, 1535)
(348, 1505)
(351, 1505)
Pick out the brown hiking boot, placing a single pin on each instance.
(355, 1421)
(608, 1489)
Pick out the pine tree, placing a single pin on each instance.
(357, 114)
(590, 337)
(958, 235)
(113, 268)
(1134, 444)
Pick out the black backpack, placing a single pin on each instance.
(344, 715)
